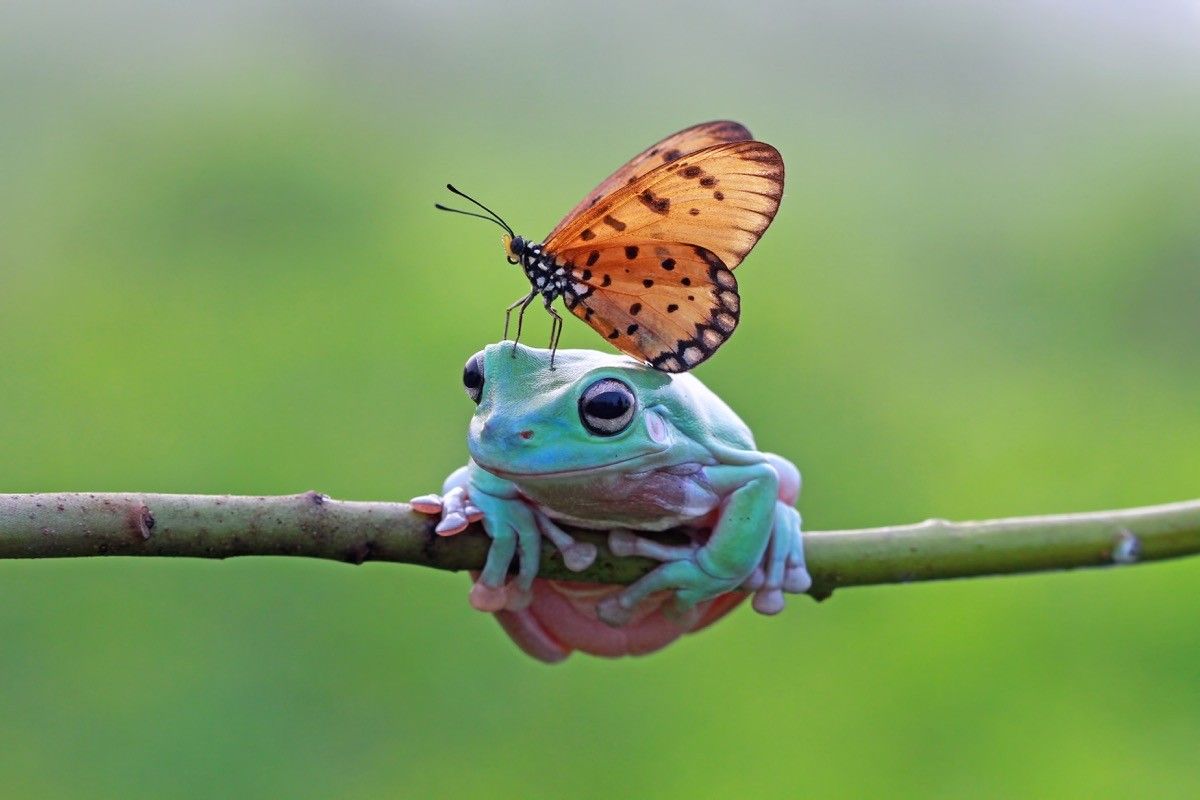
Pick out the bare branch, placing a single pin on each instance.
(315, 526)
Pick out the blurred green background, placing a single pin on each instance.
(220, 271)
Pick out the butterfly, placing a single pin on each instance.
(647, 257)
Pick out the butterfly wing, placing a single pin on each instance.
(721, 198)
(651, 265)
(672, 305)
(685, 142)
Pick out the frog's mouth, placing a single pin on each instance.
(560, 473)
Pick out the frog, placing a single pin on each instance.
(598, 441)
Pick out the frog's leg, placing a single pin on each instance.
(475, 495)
(781, 570)
(731, 553)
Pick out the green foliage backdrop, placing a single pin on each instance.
(220, 271)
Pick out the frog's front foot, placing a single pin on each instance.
(514, 534)
(455, 509)
(783, 568)
(516, 530)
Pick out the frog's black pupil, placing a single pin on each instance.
(608, 405)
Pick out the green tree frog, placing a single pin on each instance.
(604, 442)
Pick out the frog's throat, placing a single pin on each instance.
(510, 474)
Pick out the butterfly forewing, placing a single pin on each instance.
(720, 198)
(672, 305)
(675, 146)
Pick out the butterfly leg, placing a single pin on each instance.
(524, 304)
(555, 329)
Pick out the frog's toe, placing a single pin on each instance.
(768, 601)
(488, 598)
(755, 581)
(797, 580)
(622, 543)
(613, 612)
(517, 599)
(579, 556)
(427, 504)
(454, 522)
(683, 615)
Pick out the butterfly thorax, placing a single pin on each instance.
(546, 274)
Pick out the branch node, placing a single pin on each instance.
(142, 522)
(1127, 549)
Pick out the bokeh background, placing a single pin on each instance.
(220, 271)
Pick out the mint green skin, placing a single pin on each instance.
(684, 459)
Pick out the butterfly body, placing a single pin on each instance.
(647, 258)
(548, 275)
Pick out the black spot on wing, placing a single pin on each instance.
(659, 205)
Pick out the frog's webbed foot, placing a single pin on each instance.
(456, 510)
(783, 568)
(680, 571)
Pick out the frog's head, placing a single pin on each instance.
(590, 412)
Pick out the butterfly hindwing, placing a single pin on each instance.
(671, 305)
(673, 147)
(720, 198)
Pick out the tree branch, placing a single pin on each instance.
(315, 526)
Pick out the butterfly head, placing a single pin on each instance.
(514, 248)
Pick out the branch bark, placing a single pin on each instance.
(315, 526)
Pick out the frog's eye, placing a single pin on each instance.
(607, 407)
(473, 377)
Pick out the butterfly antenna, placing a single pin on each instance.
(441, 207)
(498, 219)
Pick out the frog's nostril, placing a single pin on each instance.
(526, 434)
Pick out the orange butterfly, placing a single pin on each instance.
(647, 257)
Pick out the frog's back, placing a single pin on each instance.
(704, 417)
